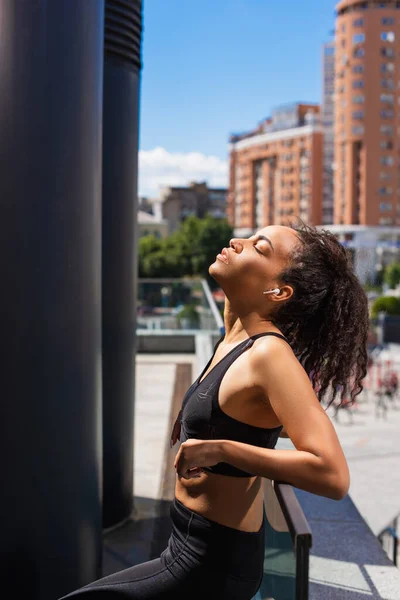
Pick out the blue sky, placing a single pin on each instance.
(213, 67)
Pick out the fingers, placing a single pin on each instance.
(194, 473)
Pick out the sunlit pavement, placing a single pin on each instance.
(371, 442)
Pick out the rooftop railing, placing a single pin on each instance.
(177, 305)
(288, 540)
(389, 538)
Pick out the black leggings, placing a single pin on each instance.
(203, 559)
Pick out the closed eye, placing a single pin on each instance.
(257, 250)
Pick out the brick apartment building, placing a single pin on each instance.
(276, 170)
(328, 124)
(367, 113)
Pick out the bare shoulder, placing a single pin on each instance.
(271, 350)
(275, 368)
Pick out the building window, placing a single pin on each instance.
(388, 36)
(387, 21)
(387, 67)
(385, 176)
(358, 68)
(388, 52)
(386, 191)
(388, 98)
(387, 145)
(358, 23)
(388, 84)
(358, 99)
(345, 59)
(386, 221)
(385, 206)
(387, 129)
(387, 160)
(358, 130)
(358, 83)
(387, 114)
(358, 38)
(358, 52)
(358, 114)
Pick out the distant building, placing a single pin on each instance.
(151, 225)
(328, 125)
(367, 142)
(276, 170)
(178, 203)
(145, 205)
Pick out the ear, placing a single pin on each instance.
(285, 294)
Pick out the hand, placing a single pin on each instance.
(195, 454)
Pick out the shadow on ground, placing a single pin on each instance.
(141, 538)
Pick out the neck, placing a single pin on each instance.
(241, 326)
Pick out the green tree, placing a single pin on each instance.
(148, 245)
(392, 275)
(205, 238)
(177, 251)
(387, 304)
(188, 251)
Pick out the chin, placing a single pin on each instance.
(213, 270)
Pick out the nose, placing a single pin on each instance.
(236, 245)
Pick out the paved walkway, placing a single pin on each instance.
(155, 379)
(372, 448)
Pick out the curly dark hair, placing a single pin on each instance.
(326, 320)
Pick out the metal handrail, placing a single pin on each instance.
(188, 281)
(213, 305)
(300, 532)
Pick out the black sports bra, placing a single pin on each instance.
(201, 416)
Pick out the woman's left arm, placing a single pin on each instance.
(318, 464)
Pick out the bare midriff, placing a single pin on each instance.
(235, 502)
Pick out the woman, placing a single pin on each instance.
(296, 320)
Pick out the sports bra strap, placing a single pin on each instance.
(204, 371)
(258, 335)
(229, 358)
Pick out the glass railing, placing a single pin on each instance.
(288, 541)
(177, 304)
(389, 538)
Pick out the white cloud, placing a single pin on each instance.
(158, 168)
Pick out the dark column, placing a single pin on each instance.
(120, 157)
(51, 75)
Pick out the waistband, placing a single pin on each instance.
(182, 514)
(226, 548)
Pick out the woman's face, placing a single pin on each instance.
(253, 265)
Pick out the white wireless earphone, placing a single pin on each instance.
(275, 291)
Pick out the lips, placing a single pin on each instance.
(224, 256)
